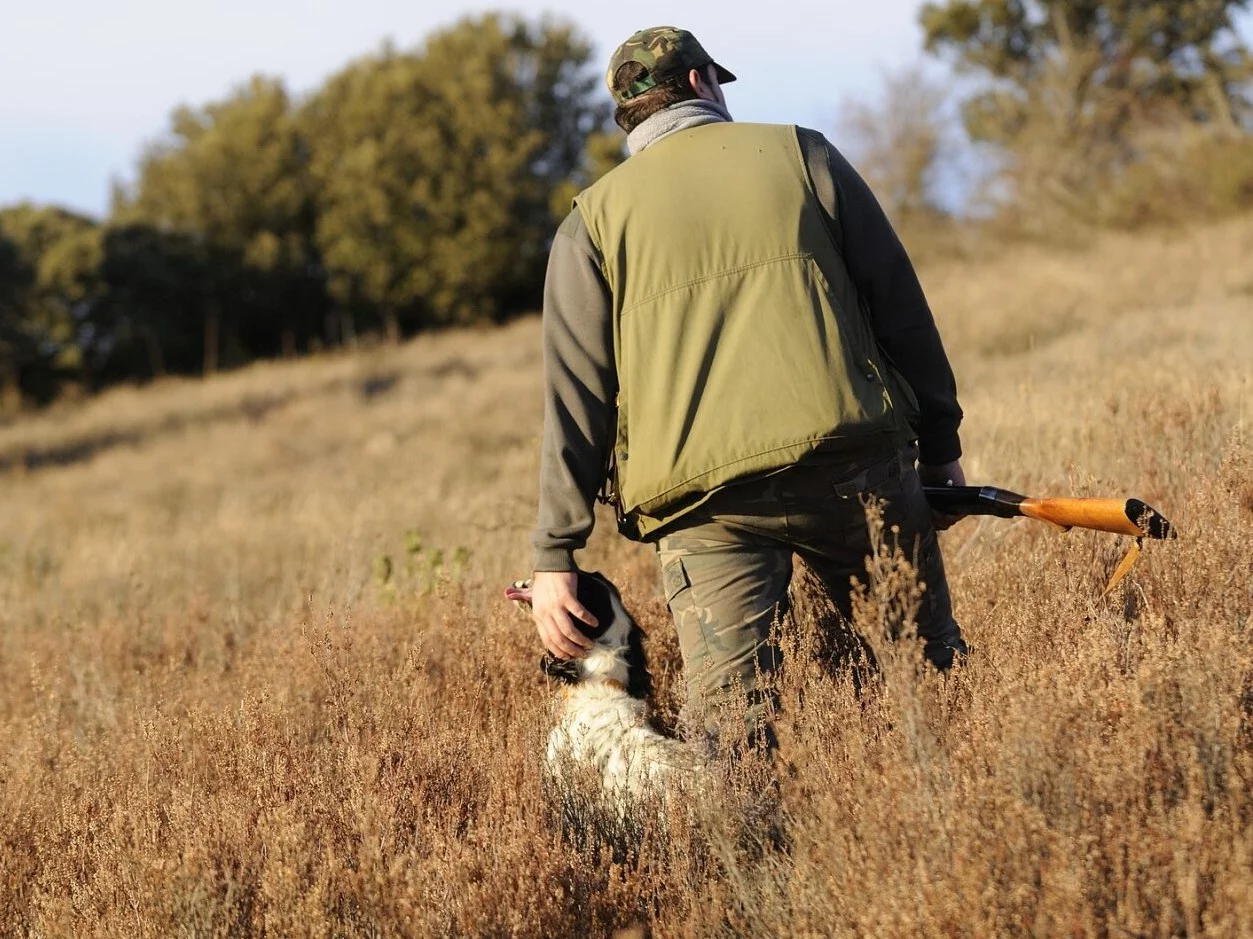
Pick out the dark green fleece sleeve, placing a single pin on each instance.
(899, 313)
(580, 388)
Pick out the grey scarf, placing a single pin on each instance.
(679, 116)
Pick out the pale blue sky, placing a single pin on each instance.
(84, 84)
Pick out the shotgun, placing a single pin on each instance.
(1120, 516)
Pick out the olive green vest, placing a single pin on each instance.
(739, 337)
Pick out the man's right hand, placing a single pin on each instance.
(947, 474)
(554, 600)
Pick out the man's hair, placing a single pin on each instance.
(635, 112)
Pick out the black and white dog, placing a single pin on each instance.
(603, 721)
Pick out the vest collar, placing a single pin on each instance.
(679, 116)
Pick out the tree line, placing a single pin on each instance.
(1109, 112)
(420, 188)
(1082, 114)
(415, 189)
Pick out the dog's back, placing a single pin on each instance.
(603, 727)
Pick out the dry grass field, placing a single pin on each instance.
(259, 679)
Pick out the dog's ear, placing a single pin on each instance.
(640, 685)
(562, 670)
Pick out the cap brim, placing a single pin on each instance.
(723, 75)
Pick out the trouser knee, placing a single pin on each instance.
(730, 720)
(732, 702)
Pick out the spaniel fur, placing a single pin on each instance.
(603, 716)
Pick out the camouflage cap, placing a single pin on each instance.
(666, 52)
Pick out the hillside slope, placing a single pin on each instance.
(259, 678)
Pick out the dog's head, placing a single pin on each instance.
(619, 639)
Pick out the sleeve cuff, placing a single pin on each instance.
(936, 451)
(554, 559)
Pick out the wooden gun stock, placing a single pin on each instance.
(1121, 516)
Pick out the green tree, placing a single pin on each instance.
(373, 146)
(1071, 89)
(15, 279)
(49, 259)
(437, 169)
(234, 176)
(157, 298)
(1153, 53)
(603, 150)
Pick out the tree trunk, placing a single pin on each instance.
(1224, 117)
(212, 328)
(347, 330)
(156, 359)
(391, 323)
(10, 391)
(233, 352)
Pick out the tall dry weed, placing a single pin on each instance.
(249, 692)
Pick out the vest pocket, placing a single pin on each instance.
(863, 378)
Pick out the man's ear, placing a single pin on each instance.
(702, 83)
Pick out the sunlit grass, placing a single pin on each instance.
(259, 677)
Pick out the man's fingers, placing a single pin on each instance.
(561, 648)
(945, 522)
(569, 630)
(561, 637)
(579, 611)
(557, 612)
(556, 643)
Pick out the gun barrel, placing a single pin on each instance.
(974, 500)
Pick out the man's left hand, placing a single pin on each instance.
(554, 606)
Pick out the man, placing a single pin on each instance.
(735, 336)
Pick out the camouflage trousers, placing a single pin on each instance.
(726, 571)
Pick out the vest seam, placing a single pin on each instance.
(752, 456)
(811, 144)
(706, 278)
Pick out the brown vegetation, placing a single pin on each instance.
(260, 679)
